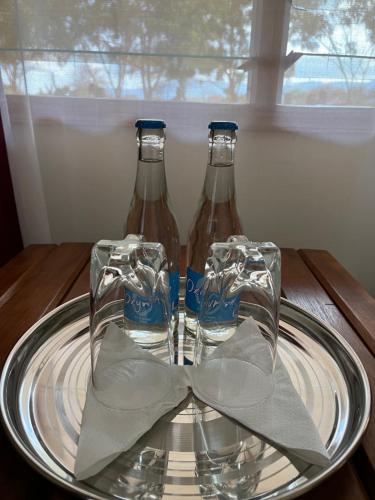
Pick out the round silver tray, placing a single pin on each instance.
(43, 388)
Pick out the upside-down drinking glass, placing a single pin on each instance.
(242, 279)
(127, 274)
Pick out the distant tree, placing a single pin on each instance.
(183, 37)
(229, 34)
(11, 65)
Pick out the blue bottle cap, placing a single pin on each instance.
(223, 126)
(147, 123)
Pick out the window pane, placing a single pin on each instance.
(336, 39)
(144, 49)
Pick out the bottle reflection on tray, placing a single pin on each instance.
(228, 457)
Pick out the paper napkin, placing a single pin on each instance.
(231, 380)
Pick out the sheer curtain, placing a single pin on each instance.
(298, 77)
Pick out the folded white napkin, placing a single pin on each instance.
(229, 380)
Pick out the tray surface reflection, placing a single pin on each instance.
(193, 451)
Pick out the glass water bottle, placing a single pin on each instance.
(150, 215)
(216, 218)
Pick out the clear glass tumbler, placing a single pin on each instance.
(241, 280)
(125, 274)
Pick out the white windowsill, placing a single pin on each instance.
(95, 115)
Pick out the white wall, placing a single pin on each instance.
(297, 191)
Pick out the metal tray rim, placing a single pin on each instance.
(55, 478)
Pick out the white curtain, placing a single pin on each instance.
(298, 77)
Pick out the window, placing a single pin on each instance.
(300, 52)
(131, 49)
(332, 46)
(219, 51)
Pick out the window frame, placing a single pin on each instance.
(267, 60)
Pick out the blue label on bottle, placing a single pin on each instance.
(151, 311)
(217, 309)
(194, 283)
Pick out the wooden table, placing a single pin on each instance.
(43, 276)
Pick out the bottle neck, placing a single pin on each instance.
(149, 152)
(221, 154)
(150, 184)
(219, 181)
